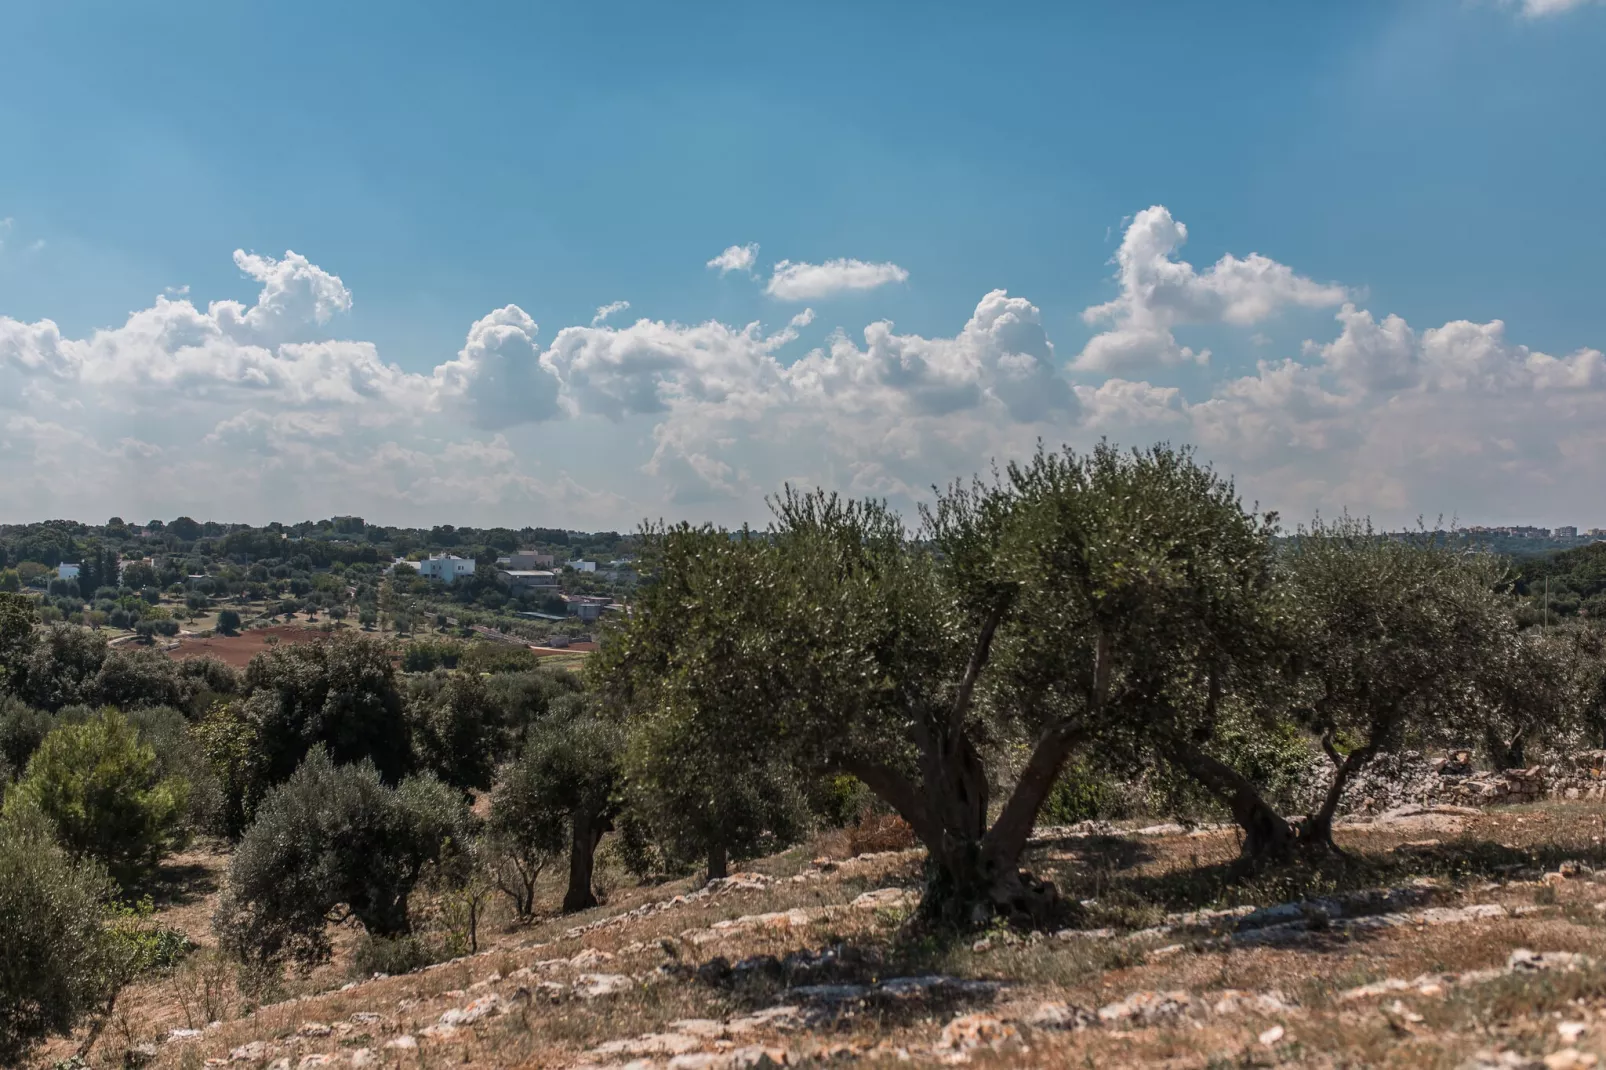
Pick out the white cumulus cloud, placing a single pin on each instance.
(736, 258)
(806, 282)
(1159, 293)
(261, 408)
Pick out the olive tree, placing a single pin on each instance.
(701, 666)
(1392, 635)
(332, 842)
(1071, 599)
(561, 790)
(1539, 686)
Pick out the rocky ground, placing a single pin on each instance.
(1447, 937)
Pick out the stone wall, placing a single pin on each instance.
(1393, 780)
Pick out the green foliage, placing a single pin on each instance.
(389, 955)
(525, 697)
(134, 944)
(169, 735)
(52, 968)
(704, 666)
(497, 658)
(333, 838)
(560, 791)
(62, 667)
(16, 638)
(1564, 585)
(1085, 792)
(1390, 635)
(426, 655)
(103, 791)
(228, 738)
(458, 730)
(129, 679)
(22, 729)
(340, 693)
(228, 622)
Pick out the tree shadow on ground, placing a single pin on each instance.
(177, 883)
(1238, 883)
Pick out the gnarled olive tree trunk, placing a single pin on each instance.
(973, 871)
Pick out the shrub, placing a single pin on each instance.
(22, 729)
(389, 955)
(62, 667)
(458, 732)
(50, 913)
(340, 693)
(1085, 792)
(204, 681)
(229, 739)
(525, 697)
(102, 790)
(133, 678)
(228, 622)
(333, 838)
(426, 655)
(498, 657)
(167, 732)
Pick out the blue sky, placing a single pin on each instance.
(1438, 162)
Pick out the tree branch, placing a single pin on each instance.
(897, 792)
(978, 660)
(1007, 838)
(1331, 751)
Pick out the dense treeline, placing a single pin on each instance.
(1027, 647)
(1564, 585)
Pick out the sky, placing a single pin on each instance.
(583, 265)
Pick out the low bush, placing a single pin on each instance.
(22, 729)
(52, 970)
(332, 841)
(426, 655)
(497, 657)
(389, 955)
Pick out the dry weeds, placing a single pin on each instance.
(703, 958)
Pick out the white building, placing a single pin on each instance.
(64, 571)
(583, 566)
(445, 567)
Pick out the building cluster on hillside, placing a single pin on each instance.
(531, 572)
(1525, 531)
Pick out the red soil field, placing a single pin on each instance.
(236, 650)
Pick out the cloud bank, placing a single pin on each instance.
(261, 410)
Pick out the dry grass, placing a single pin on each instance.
(1496, 858)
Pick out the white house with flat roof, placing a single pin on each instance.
(444, 567)
(64, 571)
